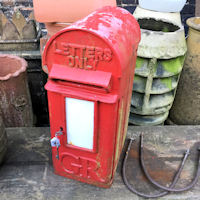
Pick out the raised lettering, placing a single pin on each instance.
(81, 166)
(65, 49)
(107, 55)
(70, 61)
(82, 48)
(83, 57)
(98, 53)
(79, 62)
(56, 50)
(90, 53)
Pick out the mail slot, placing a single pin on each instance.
(91, 69)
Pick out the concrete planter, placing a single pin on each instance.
(162, 45)
(141, 13)
(163, 5)
(15, 102)
(161, 54)
(186, 108)
(67, 10)
(19, 33)
(154, 88)
(162, 34)
(3, 141)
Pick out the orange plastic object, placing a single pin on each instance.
(66, 10)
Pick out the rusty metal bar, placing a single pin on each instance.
(161, 186)
(161, 194)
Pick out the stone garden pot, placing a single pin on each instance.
(15, 102)
(3, 141)
(186, 107)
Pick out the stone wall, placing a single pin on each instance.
(129, 5)
(197, 13)
(188, 11)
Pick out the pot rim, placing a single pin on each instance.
(164, 46)
(173, 18)
(16, 73)
(181, 29)
(191, 23)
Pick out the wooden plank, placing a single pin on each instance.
(28, 145)
(37, 182)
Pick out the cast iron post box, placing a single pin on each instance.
(91, 69)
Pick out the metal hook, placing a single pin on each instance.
(60, 132)
(161, 186)
(176, 178)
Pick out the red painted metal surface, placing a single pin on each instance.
(101, 46)
(95, 78)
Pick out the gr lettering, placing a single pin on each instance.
(81, 166)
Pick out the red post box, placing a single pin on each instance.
(91, 69)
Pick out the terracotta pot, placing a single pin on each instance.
(15, 102)
(3, 140)
(66, 10)
(53, 28)
(186, 108)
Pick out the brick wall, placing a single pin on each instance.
(197, 13)
(129, 5)
(187, 12)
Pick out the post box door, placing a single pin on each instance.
(91, 64)
(85, 151)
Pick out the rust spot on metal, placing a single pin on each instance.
(134, 153)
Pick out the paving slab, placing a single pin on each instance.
(27, 172)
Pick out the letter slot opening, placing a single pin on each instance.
(72, 76)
